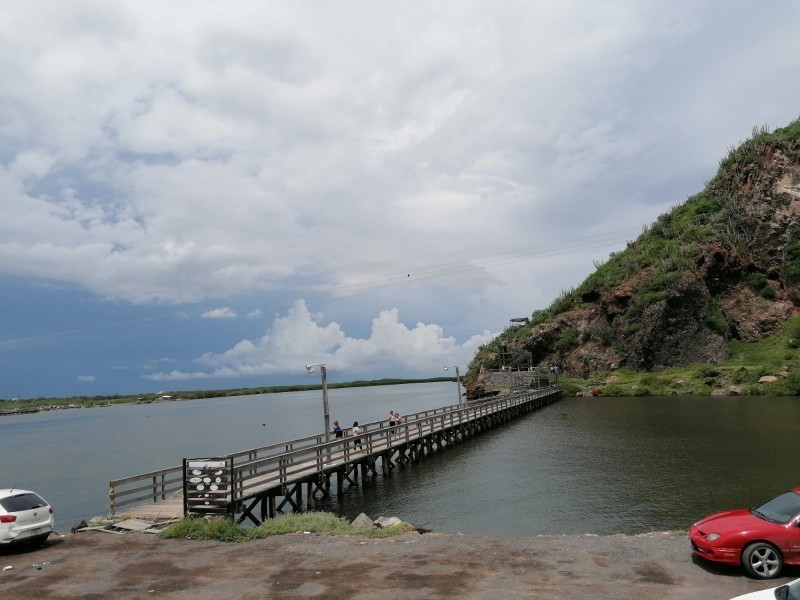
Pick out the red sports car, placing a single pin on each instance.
(761, 539)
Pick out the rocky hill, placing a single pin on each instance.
(722, 266)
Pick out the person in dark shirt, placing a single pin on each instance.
(337, 431)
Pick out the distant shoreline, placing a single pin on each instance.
(30, 405)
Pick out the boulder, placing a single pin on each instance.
(719, 392)
(362, 522)
(384, 522)
(768, 379)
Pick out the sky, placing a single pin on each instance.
(206, 195)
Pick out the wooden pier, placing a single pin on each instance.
(260, 483)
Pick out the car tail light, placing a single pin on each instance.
(51, 510)
(7, 518)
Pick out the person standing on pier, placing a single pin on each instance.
(391, 422)
(357, 431)
(397, 418)
(337, 431)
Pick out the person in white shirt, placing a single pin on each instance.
(357, 431)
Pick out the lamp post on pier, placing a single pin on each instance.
(324, 373)
(458, 380)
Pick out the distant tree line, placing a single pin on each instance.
(88, 401)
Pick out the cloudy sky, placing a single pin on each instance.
(206, 195)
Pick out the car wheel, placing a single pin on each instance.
(762, 560)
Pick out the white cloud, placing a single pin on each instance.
(299, 338)
(224, 312)
(236, 151)
(85, 378)
(255, 314)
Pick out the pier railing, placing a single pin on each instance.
(257, 469)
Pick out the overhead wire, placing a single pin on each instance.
(558, 248)
(561, 247)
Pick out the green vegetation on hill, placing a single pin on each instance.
(689, 296)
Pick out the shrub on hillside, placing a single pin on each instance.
(716, 321)
(793, 328)
(563, 302)
(541, 316)
(614, 390)
(768, 292)
(602, 331)
(569, 388)
(757, 280)
(740, 376)
(568, 340)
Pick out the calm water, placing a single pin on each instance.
(600, 465)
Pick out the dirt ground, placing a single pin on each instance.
(94, 565)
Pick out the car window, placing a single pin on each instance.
(22, 502)
(781, 508)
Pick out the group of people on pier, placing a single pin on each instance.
(394, 419)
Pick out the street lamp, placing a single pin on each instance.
(458, 380)
(324, 372)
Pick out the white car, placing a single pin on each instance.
(788, 591)
(24, 517)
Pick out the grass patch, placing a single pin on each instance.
(679, 532)
(223, 530)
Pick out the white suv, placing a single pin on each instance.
(24, 517)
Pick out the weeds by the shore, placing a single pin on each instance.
(224, 530)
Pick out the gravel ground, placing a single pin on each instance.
(93, 565)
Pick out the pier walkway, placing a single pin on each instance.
(260, 483)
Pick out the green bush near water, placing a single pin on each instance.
(224, 530)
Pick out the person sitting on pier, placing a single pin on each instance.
(357, 431)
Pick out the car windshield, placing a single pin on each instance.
(788, 592)
(22, 502)
(780, 509)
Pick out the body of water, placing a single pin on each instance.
(581, 465)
